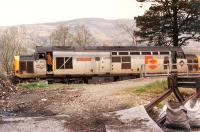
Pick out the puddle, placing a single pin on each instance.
(22, 114)
(13, 114)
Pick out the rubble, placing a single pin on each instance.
(6, 87)
(43, 99)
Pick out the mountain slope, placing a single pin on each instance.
(106, 32)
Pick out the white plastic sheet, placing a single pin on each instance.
(177, 118)
(193, 112)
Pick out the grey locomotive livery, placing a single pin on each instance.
(99, 64)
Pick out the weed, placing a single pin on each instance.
(33, 85)
(152, 88)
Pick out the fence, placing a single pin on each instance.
(167, 69)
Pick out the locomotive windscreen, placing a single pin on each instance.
(26, 64)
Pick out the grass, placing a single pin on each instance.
(34, 85)
(148, 92)
(161, 105)
(156, 87)
(153, 90)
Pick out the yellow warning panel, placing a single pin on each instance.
(16, 63)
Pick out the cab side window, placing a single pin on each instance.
(41, 56)
(180, 55)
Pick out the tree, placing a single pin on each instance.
(11, 44)
(170, 22)
(61, 36)
(82, 36)
(130, 30)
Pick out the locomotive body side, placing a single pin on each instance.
(81, 63)
(100, 61)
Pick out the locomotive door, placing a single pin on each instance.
(116, 64)
(102, 63)
(49, 62)
(181, 62)
(97, 65)
(105, 64)
(182, 65)
(40, 67)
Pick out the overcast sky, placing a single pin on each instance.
(13, 12)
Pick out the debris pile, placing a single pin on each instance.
(6, 87)
(184, 117)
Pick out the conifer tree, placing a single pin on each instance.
(170, 22)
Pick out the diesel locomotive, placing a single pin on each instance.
(102, 63)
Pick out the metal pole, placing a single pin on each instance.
(187, 69)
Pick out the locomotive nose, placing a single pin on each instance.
(16, 65)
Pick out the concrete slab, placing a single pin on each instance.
(32, 124)
(130, 120)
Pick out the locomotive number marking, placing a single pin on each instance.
(40, 66)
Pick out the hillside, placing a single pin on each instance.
(106, 32)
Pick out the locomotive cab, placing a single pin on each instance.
(40, 64)
(33, 66)
(24, 66)
(179, 61)
(43, 61)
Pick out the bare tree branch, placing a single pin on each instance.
(130, 30)
(11, 43)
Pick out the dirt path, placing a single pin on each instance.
(106, 97)
(83, 104)
(84, 99)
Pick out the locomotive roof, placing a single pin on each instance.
(26, 57)
(190, 56)
(40, 49)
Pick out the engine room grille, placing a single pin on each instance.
(126, 65)
(116, 59)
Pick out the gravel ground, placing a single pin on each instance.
(81, 104)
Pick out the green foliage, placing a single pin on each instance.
(170, 22)
(34, 85)
(161, 105)
(152, 88)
